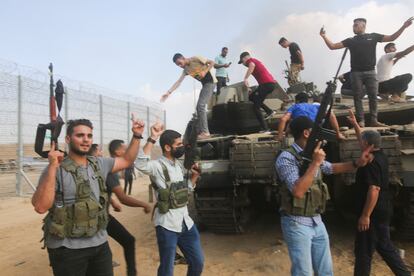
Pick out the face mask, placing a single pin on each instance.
(178, 152)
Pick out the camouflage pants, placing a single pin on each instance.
(294, 73)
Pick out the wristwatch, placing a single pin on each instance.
(139, 137)
(150, 140)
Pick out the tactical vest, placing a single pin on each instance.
(314, 201)
(174, 196)
(85, 217)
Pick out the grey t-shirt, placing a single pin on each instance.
(69, 191)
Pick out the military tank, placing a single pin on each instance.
(238, 180)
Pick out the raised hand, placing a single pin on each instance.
(138, 126)
(318, 154)
(55, 157)
(322, 32)
(408, 22)
(156, 130)
(352, 119)
(164, 97)
(195, 172)
(366, 157)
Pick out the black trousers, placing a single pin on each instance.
(118, 232)
(221, 82)
(128, 183)
(257, 97)
(396, 85)
(91, 261)
(377, 238)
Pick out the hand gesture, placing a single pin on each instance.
(164, 97)
(352, 119)
(408, 22)
(318, 155)
(147, 208)
(363, 223)
(54, 156)
(156, 130)
(322, 32)
(246, 83)
(195, 172)
(366, 157)
(226, 65)
(137, 125)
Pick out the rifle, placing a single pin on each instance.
(287, 71)
(319, 132)
(56, 121)
(190, 142)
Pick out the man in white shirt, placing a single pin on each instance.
(173, 225)
(220, 64)
(397, 85)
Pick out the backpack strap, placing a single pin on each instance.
(166, 176)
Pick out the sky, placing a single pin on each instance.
(128, 46)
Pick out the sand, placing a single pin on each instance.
(261, 251)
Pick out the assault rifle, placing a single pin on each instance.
(190, 142)
(56, 122)
(319, 132)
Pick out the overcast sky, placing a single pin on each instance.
(128, 45)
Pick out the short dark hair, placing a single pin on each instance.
(372, 137)
(360, 19)
(93, 149)
(177, 56)
(301, 97)
(168, 137)
(224, 48)
(282, 39)
(114, 145)
(71, 124)
(388, 45)
(298, 125)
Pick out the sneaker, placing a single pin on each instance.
(179, 259)
(377, 124)
(267, 131)
(268, 116)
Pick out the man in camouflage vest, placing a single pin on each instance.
(72, 190)
(303, 199)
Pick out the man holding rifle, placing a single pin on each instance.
(363, 59)
(303, 199)
(72, 190)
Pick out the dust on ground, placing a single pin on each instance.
(261, 251)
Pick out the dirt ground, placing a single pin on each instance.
(261, 251)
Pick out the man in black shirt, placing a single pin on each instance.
(363, 59)
(115, 229)
(373, 207)
(297, 62)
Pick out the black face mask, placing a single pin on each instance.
(178, 152)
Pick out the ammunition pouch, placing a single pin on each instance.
(174, 196)
(86, 216)
(314, 201)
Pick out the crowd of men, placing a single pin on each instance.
(75, 190)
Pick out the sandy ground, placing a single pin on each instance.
(261, 251)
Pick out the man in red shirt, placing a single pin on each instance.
(266, 85)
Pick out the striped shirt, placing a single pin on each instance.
(287, 168)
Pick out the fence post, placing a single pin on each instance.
(101, 120)
(148, 122)
(165, 119)
(128, 121)
(19, 177)
(66, 108)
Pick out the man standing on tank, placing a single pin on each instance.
(297, 62)
(363, 59)
(221, 64)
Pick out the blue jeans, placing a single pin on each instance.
(189, 243)
(308, 248)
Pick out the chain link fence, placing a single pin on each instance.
(24, 94)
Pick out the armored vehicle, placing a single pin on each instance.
(238, 180)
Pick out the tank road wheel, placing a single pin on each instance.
(405, 215)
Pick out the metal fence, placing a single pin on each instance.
(24, 103)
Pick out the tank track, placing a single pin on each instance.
(222, 210)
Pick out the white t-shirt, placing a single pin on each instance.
(384, 67)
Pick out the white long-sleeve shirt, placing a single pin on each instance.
(174, 218)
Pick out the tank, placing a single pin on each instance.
(238, 180)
